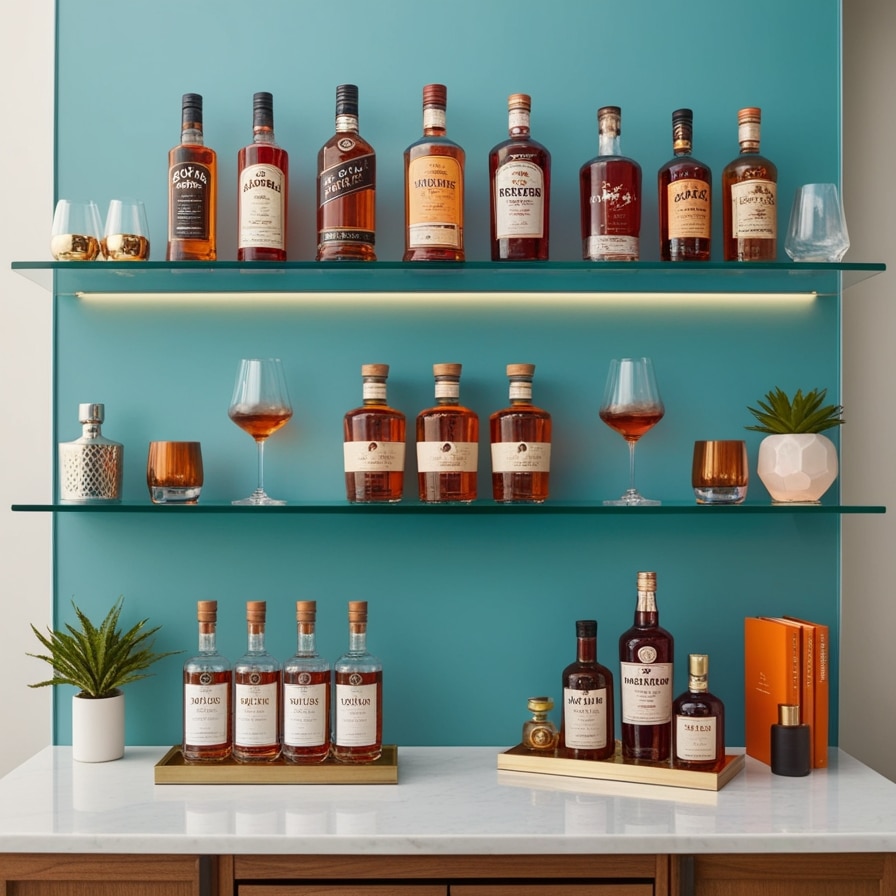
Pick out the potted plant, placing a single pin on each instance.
(796, 463)
(99, 661)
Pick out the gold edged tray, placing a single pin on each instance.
(519, 759)
(173, 769)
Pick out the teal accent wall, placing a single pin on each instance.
(471, 614)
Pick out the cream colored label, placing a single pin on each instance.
(355, 715)
(261, 207)
(255, 715)
(435, 202)
(646, 690)
(520, 391)
(695, 738)
(374, 392)
(205, 714)
(304, 715)
(607, 248)
(754, 213)
(447, 457)
(521, 457)
(519, 201)
(585, 719)
(373, 457)
(689, 208)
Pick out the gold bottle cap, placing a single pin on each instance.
(750, 113)
(520, 370)
(646, 581)
(357, 611)
(447, 370)
(256, 610)
(207, 610)
(540, 704)
(788, 714)
(306, 610)
(519, 101)
(381, 370)
(435, 95)
(698, 665)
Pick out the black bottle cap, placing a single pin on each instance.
(586, 628)
(347, 99)
(683, 115)
(263, 110)
(191, 106)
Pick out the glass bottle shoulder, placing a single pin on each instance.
(519, 147)
(749, 165)
(685, 166)
(343, 146)
(434, 144)
(358, 662)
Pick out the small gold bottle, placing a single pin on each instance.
(540, 733)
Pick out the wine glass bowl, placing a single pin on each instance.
(260, 406)
(631, 406)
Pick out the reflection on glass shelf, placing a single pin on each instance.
(78, 278)
(477, 508)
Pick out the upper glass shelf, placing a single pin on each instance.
(160, 277)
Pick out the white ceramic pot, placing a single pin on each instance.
(97, 728)
(797, 467)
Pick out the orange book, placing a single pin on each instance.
(772, 663)
(818, 635)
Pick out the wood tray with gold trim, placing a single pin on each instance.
(519, 759)
(173, 769)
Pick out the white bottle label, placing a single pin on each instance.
(261, 207)
(205, 714)
(519, 200)
(304, 715)
(585, 719)
(754, 210)
(355, 715)
(646, 690)
(695, 738)
(521, 457)
(255, 715)
(373, 457)
(606, 248)
(447, 457)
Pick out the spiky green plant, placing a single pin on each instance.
(778, 414)
(98, 660)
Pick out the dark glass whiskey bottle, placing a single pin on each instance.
(646, 654)
(698, 721)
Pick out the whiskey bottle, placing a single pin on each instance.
(447, 443)
(685, 198)
(520, 179)
(306, 694)
(610, 196)
(263, 189)
(208, 694)
(646, 656)
(698, 721)
(434, 187)
(346, 187)
(521, 443)
(256, 712)
(749, 197)
(192, 190)
(358, 733)
(91, 468)
(588, 722)
(374, 443)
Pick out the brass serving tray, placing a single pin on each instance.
(172, 769)
(519, 759)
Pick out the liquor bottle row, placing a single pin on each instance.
(258, 710)
(688, 730)
(519, 170)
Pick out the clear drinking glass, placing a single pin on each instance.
(817, 229)
(260, 405)
(631, 405)
(126, 234)
(76, 231)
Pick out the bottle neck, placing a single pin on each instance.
(374, 391)
(91, 430)
(520, 391)
(263, 135)
(192, 133)
(608, 145)
(346, 124)
(357, 637)
(697, 684)
(586, 650)
(434, 121)
(305, 645)
(518, 122)
(646, 612)
(447, 391)
(256, 637)
(208, 639)
(682, 147)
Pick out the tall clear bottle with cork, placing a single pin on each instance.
(358, 676)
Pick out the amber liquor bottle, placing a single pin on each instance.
(610, 196)
(646, 657)
(257, 703)
(192, 190)
(749, 197)
(358, 675)
(346, 188)
(208, 694)
(263, 189)
(374, 443)
(685, 198)
(698, 721)
(587, 728)
(434, 187)
(447, 443)
(306, 694)
(519, 171)
(521, 443)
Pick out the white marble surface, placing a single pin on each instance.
(448, 801)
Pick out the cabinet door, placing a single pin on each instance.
(359, 889)
(595, 888)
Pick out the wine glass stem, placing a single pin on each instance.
(631, 465)
(260, 444)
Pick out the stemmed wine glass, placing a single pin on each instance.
(260, 405)
(631, 405)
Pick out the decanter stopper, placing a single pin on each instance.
(90, 468)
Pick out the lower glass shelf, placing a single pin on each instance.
(477, 508)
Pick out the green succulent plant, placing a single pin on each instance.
(779, 414)
(98, 660)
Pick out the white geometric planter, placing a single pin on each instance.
(97, 728)
(797, 467)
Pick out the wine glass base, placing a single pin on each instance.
(258, 498)
(632, 498)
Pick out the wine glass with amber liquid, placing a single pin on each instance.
(632, 406)
(260, 406)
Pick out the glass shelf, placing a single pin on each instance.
(159, 277)
(477, 508)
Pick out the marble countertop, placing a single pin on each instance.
(448, 801)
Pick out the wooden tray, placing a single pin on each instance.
(172, 769)
(519, 759)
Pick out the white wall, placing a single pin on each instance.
(867, 694)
